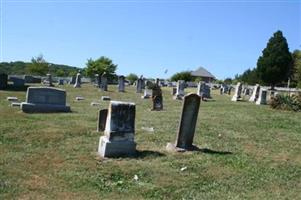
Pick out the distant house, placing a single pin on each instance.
(203, 74)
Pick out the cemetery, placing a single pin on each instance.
(121, 149)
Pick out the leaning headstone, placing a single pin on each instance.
(121, 85)
(3, 81)
(104, 82)
(180, 90)
(237, 94)
(102, 117)
(139, 85)
(45, 99)
(77, 83)
(118, 139)
(17, 82)
(187, 125)
(255, 93)
(262, 98)
(157, 103)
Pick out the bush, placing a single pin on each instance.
(285, 102)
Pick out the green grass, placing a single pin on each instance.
(53, 156)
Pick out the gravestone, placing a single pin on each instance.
(104, 82)
(203, 90)
(255, 93)
(60, 82)
(48, 81)
(121, 84)
(17, 82)
(173, 91)
(97, 81)
(237, 94)
(148, 93)
(118, 139)
(102, 117)
(185, 135)
(247, 91)
(3, 81)
(45, 99)
(32, 79)
(225, 89)
(157, 103)
(139, 85)
(72, 80)
(77, 83)
(262, 98)
(180, 90)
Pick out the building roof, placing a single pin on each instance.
(202, 72)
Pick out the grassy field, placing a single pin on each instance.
(249, 152)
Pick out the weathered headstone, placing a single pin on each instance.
(102, 117)
(17, 82)
(60, 82)
(77, 81)
(3, 81)
(45, 99)
(180, 89)
(139, 85)
(237, 94)
(104, 82)
(255, 93)
(187, 125)
(72, 80)
(118, 139)
(157, 103)
(97, 81)
(48, 81)
(173, 91)
(203, 90)
(262, 98)
(121, 84)
(247, 91)
(148, 93)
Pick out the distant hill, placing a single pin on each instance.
(19, 68)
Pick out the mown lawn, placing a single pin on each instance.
(249, 152)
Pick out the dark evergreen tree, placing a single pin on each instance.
(274, 66)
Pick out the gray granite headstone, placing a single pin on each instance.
(180, 89)
(121, 84)
(104, 82)
(147, 93)
(187, 125)
(139, 85)
(262, 98)
(157, 103)
(45, 99)
(118, 139)
(97, 81)
(203, 90)
(102, 117)
(3, 81)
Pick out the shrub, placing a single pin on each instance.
(285, 102)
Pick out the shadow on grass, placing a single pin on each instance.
(209, 151)
(148, 154)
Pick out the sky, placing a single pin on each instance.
(147, 37)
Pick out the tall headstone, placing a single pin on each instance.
(72, 80)
(45, 99)
(104, 82)
(97, 81)
(118, 139)
(237, 94)
(255, 93)
(102, 117)
(139, 85)
(262, 98)
(121, 84)
(3, 81)
(48, 81)
(180, 89)
(185, 135)
(77, 81)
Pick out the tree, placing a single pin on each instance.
(132, 78)
(185, 75)
(274, 66)
(297, 67)
(99, 66)
(228, 81)
(38, 66)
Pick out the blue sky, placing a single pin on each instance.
(148, 37)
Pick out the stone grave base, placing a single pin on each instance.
(43, 108)
(172, 147)
(108, 148)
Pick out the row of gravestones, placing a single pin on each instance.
(118, 124)
(259, 95)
